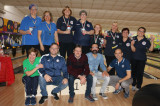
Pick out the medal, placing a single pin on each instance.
(49, 28)
(83, 28)
(30, 29)
(34, 22)
(67, 23)
(68, 27)
(95, 38)
(114, 42)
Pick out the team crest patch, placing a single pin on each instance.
(122, 66)
(57, 60)
(117, 36)
(71, 22)
(25, 68)
(143, 43)
(128, 44)
(88, 25)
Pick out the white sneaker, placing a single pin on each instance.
(94, 97)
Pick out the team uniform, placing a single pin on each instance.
(66, 40)
(47, 35)
(121, 70)
(112, 43)
(98, 39)
(139, 60)
(30, 40)
(126, 48)
(79, 38)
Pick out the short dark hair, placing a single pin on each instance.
(125, 29)
(118, 49)
(78, 46)
(33, 50)
(54, 44)
(142, 28)
(94, 44)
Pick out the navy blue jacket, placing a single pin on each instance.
(53, 66)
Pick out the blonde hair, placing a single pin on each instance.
(117, 31)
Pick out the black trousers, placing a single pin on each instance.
(109, 59)
(137, 67)
(31, 84)
(46, 50)
(66, 48)
(28, 47)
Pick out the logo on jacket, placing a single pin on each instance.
(88, 25)
(57, 60)
(122, 66)
(71, 22)
(117, 36)
(48, 60)
(143, 43)
(127, 44)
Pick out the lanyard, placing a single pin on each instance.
(83, 26)
(114, 37)
(65, 21)
(49, 28)
(34, 22)
(95, 38)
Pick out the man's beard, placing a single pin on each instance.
(94, 51)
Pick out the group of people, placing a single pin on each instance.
(85, 61)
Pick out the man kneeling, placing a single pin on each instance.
(53, 65)
(123, 78)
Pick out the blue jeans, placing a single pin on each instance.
(88, 87)
(56, 81)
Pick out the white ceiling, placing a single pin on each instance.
(128, 13)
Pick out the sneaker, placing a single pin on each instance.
(103, 95)
(55, 96)
(33, 100)
(134, 88)
(70, 100)
(27, 101)
(94, 97)
(89, 98)
(116, 91)
(126, 95)
(43, 98)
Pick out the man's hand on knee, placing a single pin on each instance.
(48, 78)
(65, 81)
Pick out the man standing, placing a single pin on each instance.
(78, 68)
(95, 59)
(53, 65)
(123, 78)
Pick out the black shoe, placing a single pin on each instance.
(55, 96)
(43, 98)
(27, 101)
(70, 100)
(90, 98)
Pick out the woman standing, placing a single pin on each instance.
(29, 29)
(125, 44)
(65, 26)
(111, 43)
(139, 46)
(98, 37)
(31, 75)
(47, 33)
(83, 30)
